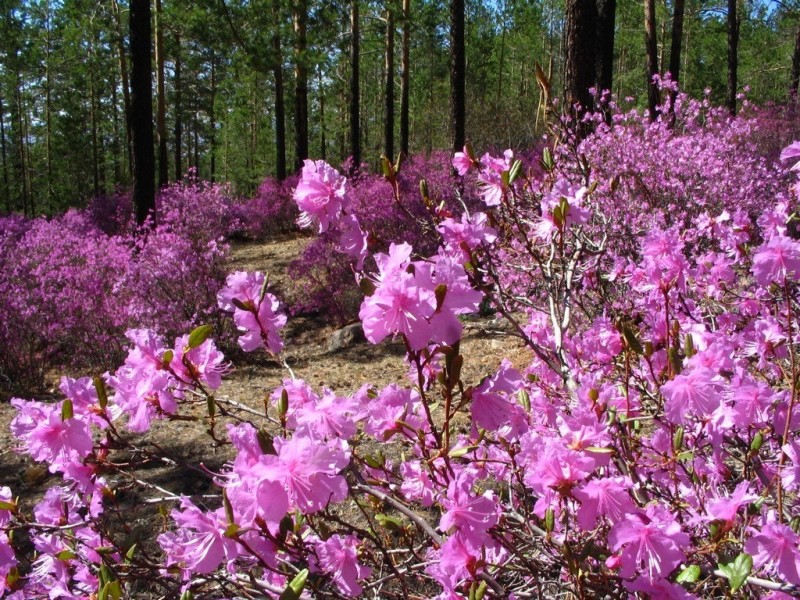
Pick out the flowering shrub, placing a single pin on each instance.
(70, 290)
(649, 449)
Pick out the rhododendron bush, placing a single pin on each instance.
(647, 449)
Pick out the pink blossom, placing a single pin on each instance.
(725, 509)
(338, 557)
(607, 497)
(470, 514)
(775, 549)
(777, 261)
(462, 162)
(462, 237)
(205, 363)
(792, 151)
(321, 194)
(694, 393)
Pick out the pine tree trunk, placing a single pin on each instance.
(141, 116)
(126, 94)
(6, 188)
(733, 58)
(161, 101)
(280, 116)
(355, 92)
(458, 111)
(675, 49)
(299, 18)
(580, 72)
(795, 78)
(651, 48)
(388, 123)
(404, 77)
(178, 84)
(606, 19)
(212, 121)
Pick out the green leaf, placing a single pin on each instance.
(187, 595)
(131, 552)
(7, 505)
(440, 292)
(265, 442)
(677, 440)
(66, 555)
(199, 335)
(631, 341)
(167, 357)
(295, 587)
(66, 410)
(367, 286)
(102, 392)
(549, 520)
(689, 574)
(389, 522)
(547, 159)
(211, 404)
(738, 571)
(758, 441)
(516, 169)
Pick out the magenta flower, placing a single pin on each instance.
(321, 195)
(468, 513)
(338, 557)
(256, 313)
(777, 261)
(792, 152)
(695, 393)
(776, 549)
(462, 237)
(725, 509)
(493, 190)
(607, 497)
(462, 162)
(205, 363)
(651, 542)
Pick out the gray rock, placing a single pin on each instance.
(346, 337)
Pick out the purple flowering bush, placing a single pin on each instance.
(70, 289)
(648, 449)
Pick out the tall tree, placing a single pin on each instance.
(355, 91)
(405, 80)
(606, 21)
(277, 77)
(124, 76)
(733, 55)
(178, 109)
(299, 19)
(651, 49)
(141, 117)
(161, 102)
(675, 49)
(388, 123)
(580, 31)
(458, 68)
(795, 75)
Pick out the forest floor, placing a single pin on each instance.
(250, 384)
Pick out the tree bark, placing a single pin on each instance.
(458, 64)
(405, 78)
(299, 18)
(212, 120)
(280, 114)
(6, 188)
(123, 71)
(733, 58)
(580, 66)
(141, 117)
(161, 102)
(355, 91)
(388, 123)
(675, 50)
(651, 47)
(606, 20)
(178, 83)
(795, 78)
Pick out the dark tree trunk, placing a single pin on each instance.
(126, 94)
(675, 49)
(733, 58)
(404, 77)
(606, 20)
(322, 141)
(458, 64)
(6, 189)
(280, 116)
(177, 82)
(388, 124)
(580, 72)
(795, 79)
(355, 91)
(141, 118)
(212, 121)
(161, 102)
(300, 83)
(651, 47)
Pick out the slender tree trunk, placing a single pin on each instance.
(795, 78)
(404, 77)
(651, 47)
(355, 92)
(94, 124)
(178, 84)
(48, 112)
(141, 116)
(161, 101)
(20, 127)
(280, 116)
(196, 145)
(388, 123)
(299, 18)
(29, 162)
(212, 136)
(606, 20)
(580, 33)
(733, 58)
(458, 65)
(126, 95)
(322, 141)
(115, 144)
(6, 188)
(675, 50)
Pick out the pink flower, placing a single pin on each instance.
(462, 162)
(467, 235)
(652, 542)
(338, 557)
(775, 548)
(353, 240)
(493, 190)
(725, 509)
(321, 194)
(471, 515)
(205, 363)
(777, 261)
(792, 152)
(256, 313)
(695, 393)
(607, 497)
